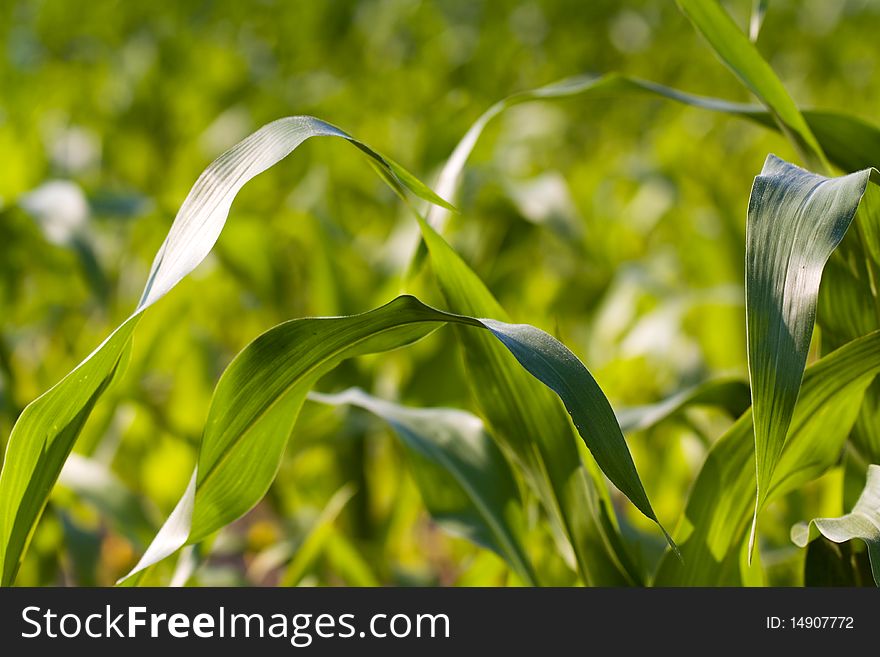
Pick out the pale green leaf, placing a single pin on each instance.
(862, 522)
(759, 8)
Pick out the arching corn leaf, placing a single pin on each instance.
(862, 522)
(850, 142)
(258, 398)
(465, 481)
(45, 432)
(532, 428)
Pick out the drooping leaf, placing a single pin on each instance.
(466, 483)
(712, 534)
(796, 219)
(862, 522)
(532, 428)
(258, 398)
(45, 432)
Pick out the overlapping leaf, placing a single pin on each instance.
(849, 142)
(45, 432)
(258, 398)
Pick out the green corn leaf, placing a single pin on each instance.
(862, 522)
(465, 481)
(258, 398)
(731, 395)
(45, 432)
(713, 530)
(533, 430)
(742, 57)
(796, 219)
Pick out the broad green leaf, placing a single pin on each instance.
(533, 429)
(732, 395)
(796, 219)
(45, 432)
(258, 398)
(465, 481)
(862, 522)
(743, 58)
(713, 530)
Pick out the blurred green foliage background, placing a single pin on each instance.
(615, 223)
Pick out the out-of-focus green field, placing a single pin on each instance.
(615, 223)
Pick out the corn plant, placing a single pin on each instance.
(530, 467)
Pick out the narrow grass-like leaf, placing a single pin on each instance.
(310, 548)
(713, 530)
(259, 396)
(732, 395)
(862, 522)
(743, 58)
(796, 219)
(45, 432)
(465, 481)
